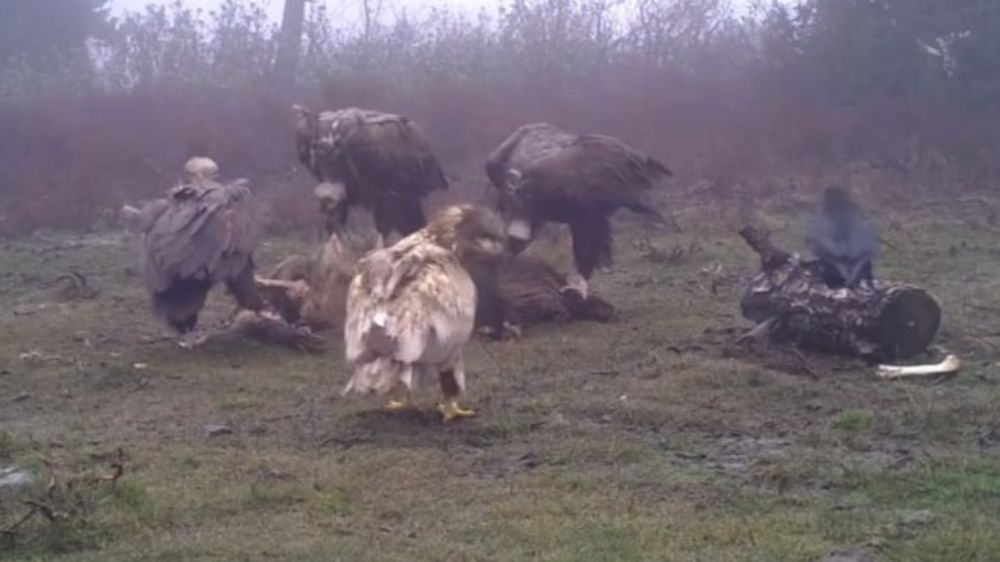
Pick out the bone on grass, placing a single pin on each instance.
(949, 366)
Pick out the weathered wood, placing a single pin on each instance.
(887, 320)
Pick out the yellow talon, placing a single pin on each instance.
(451, 410)
(397, 405)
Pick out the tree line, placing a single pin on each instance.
(96, 110)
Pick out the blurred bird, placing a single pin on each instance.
(201, 234)
(378, 161)
(843, 240)
(544, 174)
(411, 308)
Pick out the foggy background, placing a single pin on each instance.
(101, 102)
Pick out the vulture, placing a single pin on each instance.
(377, 161)
(411, 309)
(201, 234)
(843, 240)
(544, 174)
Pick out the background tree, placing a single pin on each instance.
(37, 29)
(290, 43)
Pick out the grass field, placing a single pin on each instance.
(652, 438)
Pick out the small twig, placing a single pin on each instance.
(803, 363)
(11, 529)
(759, 331)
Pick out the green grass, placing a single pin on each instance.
(646, 439)
(854, 420)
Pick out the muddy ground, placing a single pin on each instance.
(652, 438)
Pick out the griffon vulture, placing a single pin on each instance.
(843, 240)
(411, 308)
(201, 234)
(378, 161)
(544, 174)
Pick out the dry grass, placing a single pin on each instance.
(647, 439)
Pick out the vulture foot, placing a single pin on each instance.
(451, 410)
(192, 340)
(576, 282)
(511, 331)
(398, 406)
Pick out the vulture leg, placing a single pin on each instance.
(335, 219)
(192, 339)
(243, 287)
(591, 232)
(404, 216)
(180, 305)
(490, 311)
(452, 385)
(404, 403)
(575, 283)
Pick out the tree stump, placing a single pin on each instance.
(789, 300)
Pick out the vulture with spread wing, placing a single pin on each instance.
(378, 161)
(201, 234)
(411, 308)
(544, 174)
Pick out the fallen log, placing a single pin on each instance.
(789, 299)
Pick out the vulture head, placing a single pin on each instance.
(469, 231)
(332, 200)
(201, 168)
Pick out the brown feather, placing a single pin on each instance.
(385, 162)
(544, 174)
(203, 233)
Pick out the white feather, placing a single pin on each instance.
(423, 300)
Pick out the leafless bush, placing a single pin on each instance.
(723, 97)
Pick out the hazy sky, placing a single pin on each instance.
(274, 6)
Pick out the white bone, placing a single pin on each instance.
(950, 365)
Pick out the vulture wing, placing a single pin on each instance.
(392, 153)
(528, 144)
(378, 150)
(411, 305)
(205, 231)
(595, 169)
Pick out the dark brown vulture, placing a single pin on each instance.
(201, 234)
(378, 161)
(544, 174)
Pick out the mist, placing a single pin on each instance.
(96, 111)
